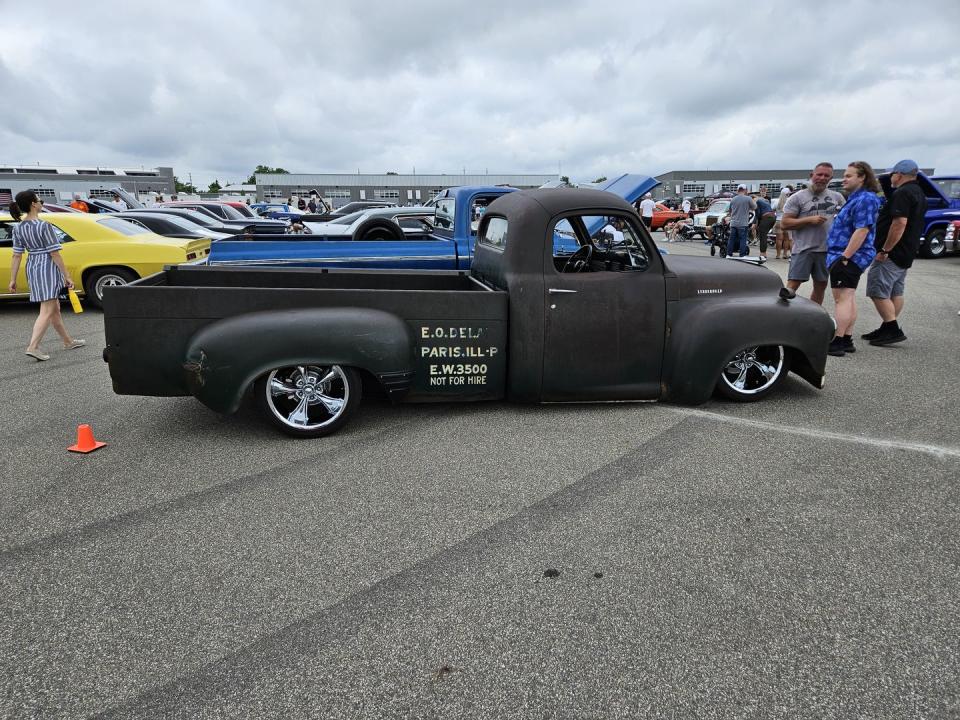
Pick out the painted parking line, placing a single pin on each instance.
(939, 451)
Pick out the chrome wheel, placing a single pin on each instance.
(753, 372)
(936, 245)
(307, 397)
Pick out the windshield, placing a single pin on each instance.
(950, 187)
(243, 210)
(185, 224)
(232, 213)
(720, 206)
(348, 219)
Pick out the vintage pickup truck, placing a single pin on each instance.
(612, 321)
(380, 243)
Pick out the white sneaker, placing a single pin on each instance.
(763, 257)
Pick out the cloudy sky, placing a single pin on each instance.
(592, 88)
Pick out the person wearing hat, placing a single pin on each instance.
(740, 208)
(647, 206)
(899, 228)
(79, 204)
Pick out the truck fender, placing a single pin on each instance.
(702, 338)
(224, 358)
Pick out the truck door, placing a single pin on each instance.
(605, 311)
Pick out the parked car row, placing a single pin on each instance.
(100, 251)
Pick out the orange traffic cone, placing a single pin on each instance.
(85, 441)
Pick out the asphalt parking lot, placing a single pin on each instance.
(795, 558)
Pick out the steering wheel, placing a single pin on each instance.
(579, 261)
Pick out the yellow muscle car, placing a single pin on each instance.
(99, 251)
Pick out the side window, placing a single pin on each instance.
(6, 235)
(494, 233)
(446, 209)
(62, 237)
(599, 243)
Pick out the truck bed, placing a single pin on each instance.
(456, 324)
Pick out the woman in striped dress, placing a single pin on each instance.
(46, 273)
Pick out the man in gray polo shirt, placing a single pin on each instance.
(740, 209)
(809, 214)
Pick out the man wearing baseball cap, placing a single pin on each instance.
(647, 206)
(899, 227)
(740, 208)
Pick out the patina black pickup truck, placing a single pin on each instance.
(532, 322)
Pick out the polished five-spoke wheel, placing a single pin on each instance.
(309, 400)
(753, 372)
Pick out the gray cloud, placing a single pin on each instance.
(216, 88)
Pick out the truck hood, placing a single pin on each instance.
(630, 187)
(705, 278)
(930, 189)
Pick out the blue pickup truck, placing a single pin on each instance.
(943, 209)
(449, 246)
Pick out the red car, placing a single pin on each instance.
(662, 215)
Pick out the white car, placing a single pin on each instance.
(391, 223)
(717, 211)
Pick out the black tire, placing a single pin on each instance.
(378, 230)
(935, 245)
(96, 280)
(753, 373)
(309, 401)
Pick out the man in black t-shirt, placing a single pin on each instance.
(899, 227)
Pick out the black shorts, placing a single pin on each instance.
(845, 275)
(646, 220)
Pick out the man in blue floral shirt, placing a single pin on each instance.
(850, 249)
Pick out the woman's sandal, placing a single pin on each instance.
(37, 355)
(74, 344)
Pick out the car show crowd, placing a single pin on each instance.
(832, 237)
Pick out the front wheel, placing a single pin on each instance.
(753, 373)
(309, 401)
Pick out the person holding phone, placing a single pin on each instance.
(46, 273)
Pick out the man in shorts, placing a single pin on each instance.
(647, 206)
(899, 228)
(808, 215)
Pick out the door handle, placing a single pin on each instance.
(559, 291)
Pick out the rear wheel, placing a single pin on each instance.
(936, 244)
(309, 401)
(753, 373)
(378, 230)
(101, 278)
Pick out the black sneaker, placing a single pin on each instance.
(873, 333)
(848, 344)
(891, 336)
(837, 347)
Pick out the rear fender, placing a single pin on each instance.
(704, 335)
(224, 358)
